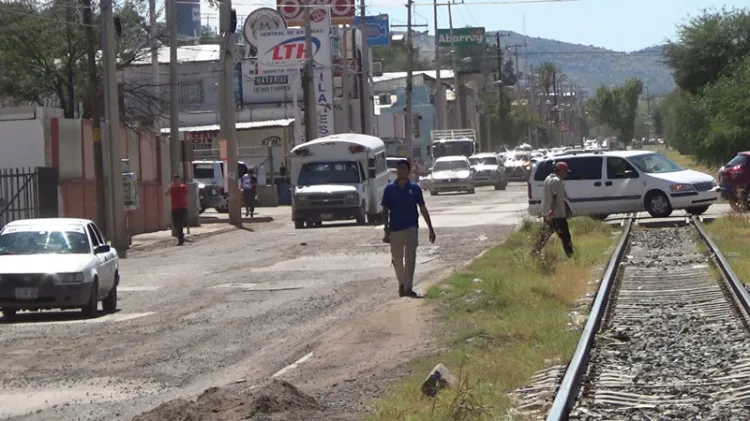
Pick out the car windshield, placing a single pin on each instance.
(488, 160)
(450, 166)
(737, 160)
(15, 240)
(655, 163)
(336, 172)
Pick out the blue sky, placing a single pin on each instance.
(617, 25)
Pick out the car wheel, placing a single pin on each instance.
(373, 219)
(471, 191)
(9, 313)
(697, 210)
(110, 301)
(224, 207)
(299, 223)
(318, 223)
(92, 306)
(202, 210)
(362, 217)
(736, 205)
(433, 193)
(657, 204)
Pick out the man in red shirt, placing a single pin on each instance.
(178, 193)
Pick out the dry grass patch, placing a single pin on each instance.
(732, 234)
(501, 330)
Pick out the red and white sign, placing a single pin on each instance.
(342, 11)
(338, 66)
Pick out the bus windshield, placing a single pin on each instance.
(334, 172)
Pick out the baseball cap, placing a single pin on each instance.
(562, 166)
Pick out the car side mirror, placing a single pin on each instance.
(630, 174)
(102, 248)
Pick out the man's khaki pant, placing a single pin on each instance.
(404, 255)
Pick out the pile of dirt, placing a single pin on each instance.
(277, 400)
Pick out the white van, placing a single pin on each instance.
(604, 183)
(338, 177)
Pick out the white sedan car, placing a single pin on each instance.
(450, 174)
(56, 263)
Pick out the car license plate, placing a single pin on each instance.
(27, 293)
(326, 216)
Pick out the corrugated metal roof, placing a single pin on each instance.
(444, 74)
(239, 126)
(185, 54)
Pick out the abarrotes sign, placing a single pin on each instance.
(461, 37)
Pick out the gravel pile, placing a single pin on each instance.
(673, 348)
(278, 400)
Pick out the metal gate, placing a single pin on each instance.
(28, 193)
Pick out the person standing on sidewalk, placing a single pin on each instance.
(553, 209)
(178, 193)
(249, 186)
(400, 201)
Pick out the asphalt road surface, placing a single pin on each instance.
(241, 305)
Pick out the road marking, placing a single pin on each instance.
(258, 287)
(136, 289)
(117, 317)
(234, 285)
(293, 365)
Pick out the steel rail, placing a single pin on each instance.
(566, 394)
(734, 281)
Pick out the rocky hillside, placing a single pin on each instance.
(585, 65)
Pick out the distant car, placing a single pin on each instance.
(734, 179)
(450, 174)
(605, 183)
(56, 263)
(488, 170)
(518, 167)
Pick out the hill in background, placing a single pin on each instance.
(585, 65)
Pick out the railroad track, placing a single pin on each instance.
(665, 339)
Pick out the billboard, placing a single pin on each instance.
(189, 18)
(260, 89)
(342, 11)
(264, 18)
(462, 37)
(283, 53)
(377, 29)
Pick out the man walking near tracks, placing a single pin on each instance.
(178, 193)
(553, 209)
(401, 218)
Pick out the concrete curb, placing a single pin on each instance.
(159, 243)
(260, 219)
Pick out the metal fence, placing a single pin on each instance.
(28, 193)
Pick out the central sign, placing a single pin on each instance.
(282, 53)
(462, 37)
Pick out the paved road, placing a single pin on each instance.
(239, 305)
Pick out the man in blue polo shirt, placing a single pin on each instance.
(400, 201)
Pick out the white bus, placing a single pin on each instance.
(338, 177)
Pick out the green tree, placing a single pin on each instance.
(43, 50)
(617, 108)
(706, 45)
(394, 58)
(509, 73)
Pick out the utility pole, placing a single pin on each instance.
(649, 122)
(112, 117)
(487, 85)
(409, 86)
(515, 47)
(456, 78)
(229, 118)
(365, 69)
(96, 118)
(174, 99)
(440, 107)
(311, 122)
(154, 58)
(345, 80)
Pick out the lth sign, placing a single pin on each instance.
(462, 37)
